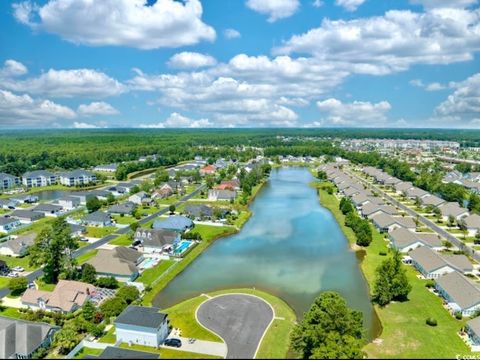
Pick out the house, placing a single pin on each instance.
(351, 191)
(231, 184)
(385, 222)
(120, 262)
(8, 181)
(415, 192)
(112, 352)
(27, 216)
(155, 240)
(432, 264)
(459, 292)
(84, 196)
(140, 198)
(175, 223)
(472, 328)
(369, 210)
(77, 230)
(27, 199)
(77, 177)
(101, 194)
(48, 209)
(139, 325)
(363, 198)
(19, 339)
(215, 194)
(39, 178)
(111, 168)
(405, 240)
(97, 218)
(125, 208)
(391, 181)
(18, 246)
(198, 212)
(453, 209)
(163, 192)
(9, 204)
(208, 170)
(9, 224)
(402, 187)
(69, 202)
(473, 224)
(432, 200)
(125, 188)
(67, 297)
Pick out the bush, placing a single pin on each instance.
(458, 315)
(382, 253)
(107, 282)
(430, 284)
(128, 293)
(431, 321)
(18, 285)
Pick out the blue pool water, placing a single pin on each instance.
(183, 245)
(147, 264)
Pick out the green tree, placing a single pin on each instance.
(161, 176)
(113, 307)
(110, 198)
(451, 221)
(321, 175)
(107, 282)
(66, 339)
(54, 248)
(134, 226)
(18, 285)
(171, 208)
(329, 330)
(474, 203)
(88, 311)
(93, 204)
(128, 293)
(89, 274)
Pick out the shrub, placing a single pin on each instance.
(18, 285)
(430, 284)
(458, 315)
(431, 321)
(382, 253)
(107, 282)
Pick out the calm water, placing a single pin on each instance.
(291, 247)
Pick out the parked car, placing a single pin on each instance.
(32, 285)
(12, 274)
(173, 342)
(18, 269)
(83, 239)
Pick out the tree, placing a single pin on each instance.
(451, 221)
(88, 311)
(477, 237)
(474, 203)
(161, 176)
(110, 198)
(391, 281)
(113, 307)
(89, 274)
(171, 208)
(18, 285)
(54, 248)
(93, 204)
(329, 330)
(134, 226)
(321, 175)
(128, 293)
(462, 225)
(107, 282)
(437, 213)
(66, 339)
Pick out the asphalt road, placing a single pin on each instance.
(240, 320)
(430, 224)
(92, 246)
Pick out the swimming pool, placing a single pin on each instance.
(148, 263)
(184, 244)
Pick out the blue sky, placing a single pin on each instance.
(240, 63)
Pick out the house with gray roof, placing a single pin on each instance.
(97, 218)
(453, 209)
(68, 202)
(156, 240)
(77, 230)
(9, 204)
(416, 192)
(140, 325)
(460, 293)
(19, 339)
(113, 352)
(387, 223)
(391, 181)
(111, 168)
(125, 208)
(8, 181)
(364, 198)
(77, 177)
(18, 246)
(432, 264)
(175, 223)
(432, 200)
(402, 186)
(225, 195)
(120, 262)
(369, 210)
(84, 196)
(27, 216)
(351, 191)
(49, 209)
(472, 328)
(100, 194)
(473, 224)
(198, 212)
(9, 224)
(140, 198)
(39, 178)
(405, 240)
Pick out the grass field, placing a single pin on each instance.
(17, 261)
(87, 351)
(169, 353)
(150, 275)
(87, 256)
(124, 220)
(275, 344)
(122, 240)
(4, 281)
(405, 333)
(43, 286)
(99, 232)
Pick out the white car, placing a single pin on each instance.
(12, 274)
(18, 269)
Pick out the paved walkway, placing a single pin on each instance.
(201, 346)
(12, 302)
(239, 319)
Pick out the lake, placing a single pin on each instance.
(291, 247)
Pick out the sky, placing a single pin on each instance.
(239, 63)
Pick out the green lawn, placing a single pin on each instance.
(150, 275)
(122, 240)
(87, 256)
(275, 344)
(17, 261)
(10, 312)
(169, 353)
(109, 337)
(43, 286)
(4, 281)
(37, 226)
(209, 234)
(405, 334)
(87, 351)
(124, 220)
(99, 232)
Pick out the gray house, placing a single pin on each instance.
(120, 262)
(18, 246)
(125, 208)
(48, 209)
(460, 293)
(155, 240)
(97, 218)
(39, 178)
(20, 339)
(8, 181)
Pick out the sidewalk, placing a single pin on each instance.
(200, 346)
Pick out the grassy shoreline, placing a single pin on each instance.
(405, 334)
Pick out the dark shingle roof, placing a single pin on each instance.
(149, 317)
(112, 352)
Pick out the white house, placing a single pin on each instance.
(69, 202)
(139, 325)
(77, 177)
(8, 181)
(214, 195)
(139, 198)
(18, 246)
(433, 265)
(9, 224)
(460, 293)
(39, 178)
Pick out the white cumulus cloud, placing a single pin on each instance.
(96, 108)
(232, 34)
(191, 60)
(464, 102)
(349, 5)
(176, 120)
(274, 9)
(83, 125)
(12, 68)
(132, 23)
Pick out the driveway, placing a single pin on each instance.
(239, 319)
